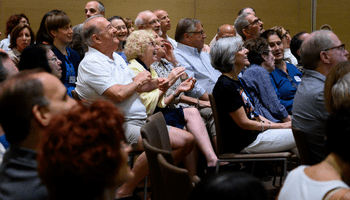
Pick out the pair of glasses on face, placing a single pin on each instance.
(340, 47)
(202, 32)
(285, 34)
(154, 22)
(255, 22)
(241, 48)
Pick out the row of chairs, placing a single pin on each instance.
(167, 179)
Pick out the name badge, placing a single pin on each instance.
(72, 79)
(297, 78)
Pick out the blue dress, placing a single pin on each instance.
(286, 85)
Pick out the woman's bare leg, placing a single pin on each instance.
(195, 125)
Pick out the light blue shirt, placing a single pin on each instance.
(197, 65)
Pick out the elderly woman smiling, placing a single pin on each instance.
(258, 82)
(243, 129)
(141, 50)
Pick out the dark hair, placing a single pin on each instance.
(241, 11)
(18, 95)
(230, 186)
(15, 33)
(257, 47)
(295, 44)
(13, 21)
(80, 152)
(3, 70)
(42, 36)
(55, 21)
(184, 26)
(266, 34)
(338, 132)
(35, 56)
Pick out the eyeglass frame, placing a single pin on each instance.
(285, 34)
(202, 32)
(152, 22)
(253, 23)
(342, 47)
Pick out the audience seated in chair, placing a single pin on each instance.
(243, 129)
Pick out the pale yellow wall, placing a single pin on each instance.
(293, 15)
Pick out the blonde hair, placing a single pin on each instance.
(137, 42)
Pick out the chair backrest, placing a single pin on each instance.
(177, 182)
(219, 149)
(75, 95)
(157, 181)
(155, 131)
(301, 145)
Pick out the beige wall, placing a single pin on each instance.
(293, 15)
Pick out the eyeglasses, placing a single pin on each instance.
(202, 32)
(341, 47)
(255, 22)
(241, 48)
(285, 34)
(54, 59)
(153, 22)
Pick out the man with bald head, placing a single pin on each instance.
(165, 25)
(320, 51)
(94, 8)
(148, 20)
(248, 26)
(226, 30)
(28, 101)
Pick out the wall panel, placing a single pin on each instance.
(293, 15)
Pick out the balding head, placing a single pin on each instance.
(164, 20)
(93, 8)
(99, 33)
(226, 30)
(321, 50)
(148, 20)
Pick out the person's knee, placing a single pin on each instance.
(192, 111)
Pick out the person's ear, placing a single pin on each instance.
(264, 57)
(95, 38)
(41, 114)
(246, 32)
(53, 33)
(325, 57)
(298, 52)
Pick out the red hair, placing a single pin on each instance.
(80, 153)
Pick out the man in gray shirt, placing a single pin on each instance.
(320, 51)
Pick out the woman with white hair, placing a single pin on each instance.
(243, 129)
(141, 50)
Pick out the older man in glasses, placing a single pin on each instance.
(148, 20)
(320, 51)
(248, 26)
